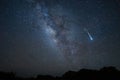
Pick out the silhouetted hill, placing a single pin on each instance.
(45, 77)
(109, 73)
(106, 73)
(7, 75)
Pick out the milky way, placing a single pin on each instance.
(56, 30)
(54, 36)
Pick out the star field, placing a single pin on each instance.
(54, 36)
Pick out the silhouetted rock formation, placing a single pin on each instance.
(70, 74)
(110, 73)
(106, 73)
(109, 69)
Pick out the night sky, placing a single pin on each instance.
(54, 36)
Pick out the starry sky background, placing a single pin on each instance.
(54, 36)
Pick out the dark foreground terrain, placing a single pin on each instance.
(106, 73)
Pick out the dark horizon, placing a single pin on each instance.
(55, 36)
(104, 73)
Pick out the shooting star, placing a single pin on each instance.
(91, 38)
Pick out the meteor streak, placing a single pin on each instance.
(91, 38)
